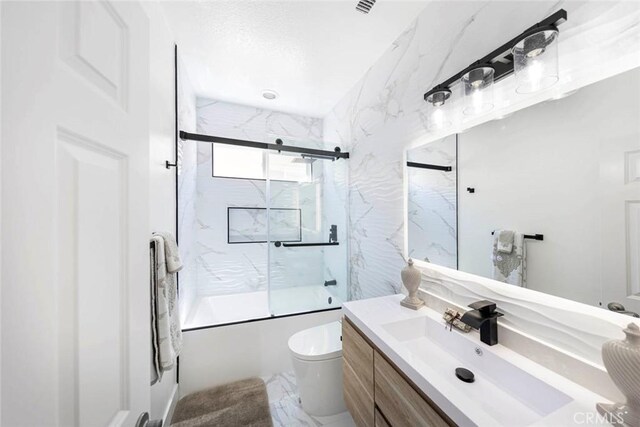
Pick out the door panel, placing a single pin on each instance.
(620, 194)
(75, 306)
(93, 292)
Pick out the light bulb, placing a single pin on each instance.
(477, 90)
(535, 72)
(438, 119)
(535, 60)
(535, 52)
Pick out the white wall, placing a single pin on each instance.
(553, 169)
(1, 142)
(384, 113)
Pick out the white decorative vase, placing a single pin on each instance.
(622, 360)
(411, 278)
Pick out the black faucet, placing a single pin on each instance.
(484, 317)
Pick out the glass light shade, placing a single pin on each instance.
(535, 61)
(438, 114)
(439, 117)
(477, 91)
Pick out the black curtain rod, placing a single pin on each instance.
(428, 166)
(336, 154)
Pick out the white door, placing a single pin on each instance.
(620, 193)
(75, 316)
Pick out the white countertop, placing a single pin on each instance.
(465, 409)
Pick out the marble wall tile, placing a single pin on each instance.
(432, 204)
(255, 124)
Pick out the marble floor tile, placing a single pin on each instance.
(286, 409)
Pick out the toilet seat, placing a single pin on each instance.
(318, 343)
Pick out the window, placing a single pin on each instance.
(230, 161)
(238, 162)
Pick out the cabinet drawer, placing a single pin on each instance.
(359, 354)
(400, 403)
(358, 400)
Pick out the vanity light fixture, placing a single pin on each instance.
(532, 55)
(477, 90)
(438, 97)
(437, 117)
(535, 59)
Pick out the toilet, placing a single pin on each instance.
(317, 363)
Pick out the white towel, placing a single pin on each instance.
(167, 332)
(172, 253)
(505, 240)
(510, 267)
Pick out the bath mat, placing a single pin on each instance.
(242, 403)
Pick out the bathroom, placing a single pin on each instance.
(373, 213)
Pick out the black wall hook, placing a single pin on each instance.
(170, 165)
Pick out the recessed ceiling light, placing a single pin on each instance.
(269, 94)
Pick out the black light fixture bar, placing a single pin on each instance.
(428, 166)
(501, 59)
(336, 154)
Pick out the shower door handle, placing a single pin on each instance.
(299, 245)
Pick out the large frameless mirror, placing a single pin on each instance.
(547, 198)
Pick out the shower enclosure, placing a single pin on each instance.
(269, 232)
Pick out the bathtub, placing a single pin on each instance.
(215, 310)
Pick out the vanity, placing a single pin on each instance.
(399, 370)
(376, 392)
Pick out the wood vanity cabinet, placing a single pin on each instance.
(376, 393)
(357, 371)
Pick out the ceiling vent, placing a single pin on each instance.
(365, 6)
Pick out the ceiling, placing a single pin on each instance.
(310, 52)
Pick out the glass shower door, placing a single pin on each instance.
(307, 233)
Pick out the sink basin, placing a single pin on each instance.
(506, 392)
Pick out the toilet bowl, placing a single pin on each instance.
(317, 363)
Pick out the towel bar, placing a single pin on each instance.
(294, 245)
(529, 236)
